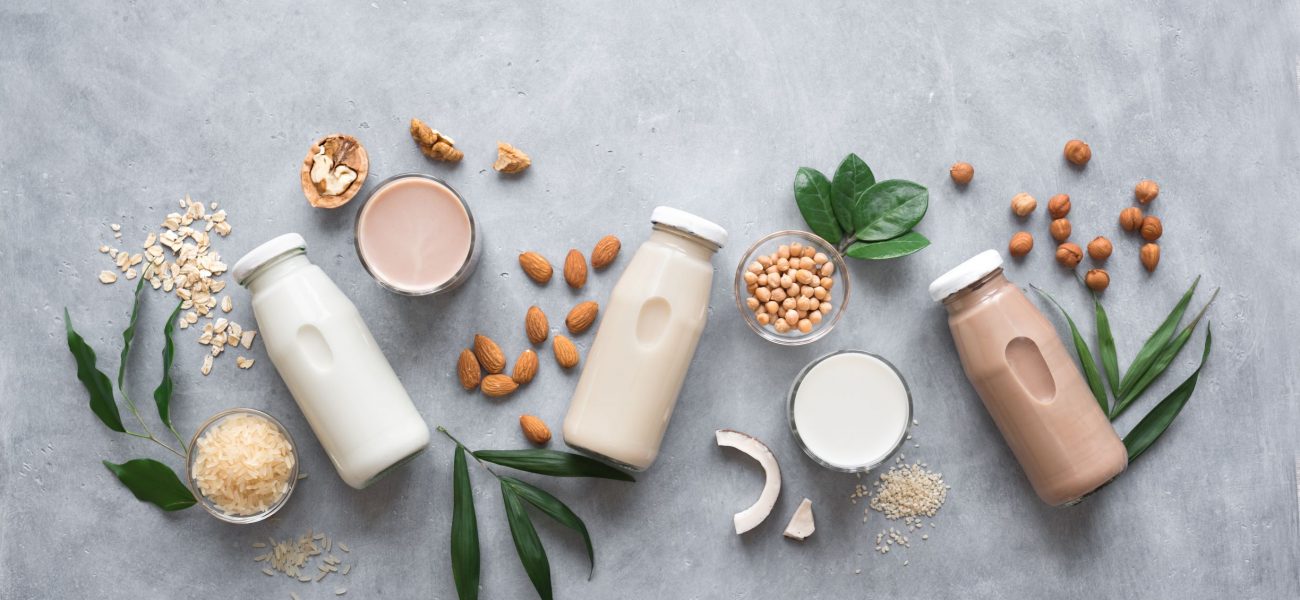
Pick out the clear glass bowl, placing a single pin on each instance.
(207, 504)
(839, 293)
(798, 438)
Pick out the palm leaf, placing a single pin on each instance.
(1085, 357)
(557, 510)
(553, 463)
(527, 544)
(1150, 428)
(1156, 343)
(464, 531)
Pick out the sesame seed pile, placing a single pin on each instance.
(910, 492)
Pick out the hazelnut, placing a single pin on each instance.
(1069, 254)
(1146, 191)
(1021, 243)
(1150, 256)
(1060, 229)
(1152, 229)
(1022, 204)
(962, 173)
(1130, 218)
(1099, 248)
(1078, 152)
(1059, 206)
(1097, 279)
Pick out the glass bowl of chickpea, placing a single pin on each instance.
(791, 287)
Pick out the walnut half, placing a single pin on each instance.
(334, 171)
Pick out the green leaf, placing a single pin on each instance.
(129, 334)
(889, 209)
(1163, 360)
(162, 395)
(812, 192)
(557, 510)
(900, 246)
(1156, 343)
(96, 382)
(553, 463)
(464, 531)
(1150, 428)
(851, 179)
(1086, 360)
(152, 481)
(1106, 346)
(527, 544)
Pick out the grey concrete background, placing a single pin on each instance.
(109, 112)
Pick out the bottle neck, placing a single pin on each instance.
(275, 268)
(683, 241)
(977, 292)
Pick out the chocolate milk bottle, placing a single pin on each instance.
(1028, 382)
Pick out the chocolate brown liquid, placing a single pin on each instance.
(1033, 390)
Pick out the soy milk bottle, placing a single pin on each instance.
(645, 342)
(336, 372)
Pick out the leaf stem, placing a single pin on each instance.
(155, 440)
(443, 430)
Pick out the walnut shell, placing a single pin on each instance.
(343, 150)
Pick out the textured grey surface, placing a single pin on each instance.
(111, 111)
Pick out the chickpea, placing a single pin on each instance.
(789, 303)
(779, 294)
(807, 291)
(752, 303)
(820, 293)
(820, 258)
(803, 277)
(763, 294)
(783, 251)
(771, 307)
(805, 325)
(750, 277)
(824, 308)
(827, 269)
(791, 317)
(801, 304)
(815, 317)
(796, 249)
(783, 265)
(827, 283)
(781, 326)
(809, 251)
(761, 279)
(766, 261)
(806, 263)
(787, 281)
(813, 303)
(755, 268)
(763, 318)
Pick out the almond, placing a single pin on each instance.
(565, 352)
(525, 367)
(536, 267)
(534, 429)
(575, 269)
(605, 252)
(467, 368)
(581, 317)
(489, 354)
(498, 386)
(536, 326)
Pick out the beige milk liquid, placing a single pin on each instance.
(413, 234)
(336, 372)
(643, 347)
(851, 410)
(1033, 390)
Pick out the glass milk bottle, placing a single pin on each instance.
(645, 342)
(1028, 382)
(336, 372)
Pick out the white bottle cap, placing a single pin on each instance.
(270, 249)
(965, 274)
(688, 223)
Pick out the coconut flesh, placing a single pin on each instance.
(751, 517)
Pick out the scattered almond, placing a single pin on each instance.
(605, 252)
(525, 367)
(566, 354)
(498, 386)
(489, 354)
(536, 326)
(581, 317)
(575, 269)
(468, 370)
(534, 429)
(536, 267)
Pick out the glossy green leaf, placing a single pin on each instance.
(1163, 360)
(464, 531)
(556, 510)
(851, 179)
(812, 192)
(553, 463)
(1106, 347)
(902, 245)
(128, 334)
(97, 384)
(1089, 364)
(1154, 424)
(152, 481)
(889, 209)
(162, 395)
(1156, 343)
(527, 544)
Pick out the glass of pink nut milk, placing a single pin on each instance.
(416, 236)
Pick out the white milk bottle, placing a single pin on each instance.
(336, 372)
(645, 342)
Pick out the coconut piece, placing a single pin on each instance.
(801, 524)
(751, 517)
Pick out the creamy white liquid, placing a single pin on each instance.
(851, 410)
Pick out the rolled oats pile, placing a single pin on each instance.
(179, 260)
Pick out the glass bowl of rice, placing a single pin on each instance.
(242, 465)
